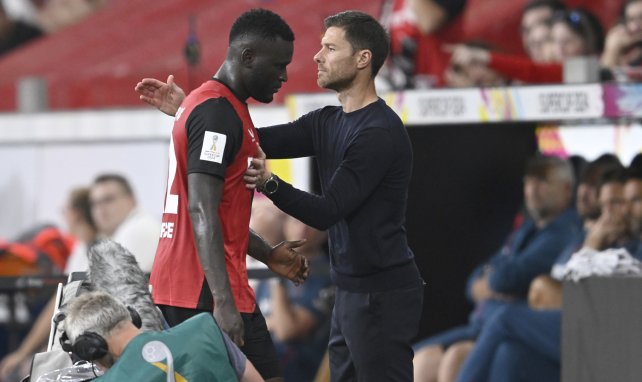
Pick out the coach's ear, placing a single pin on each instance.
(364, 58)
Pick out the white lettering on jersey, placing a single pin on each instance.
(213, 147)
(251, 135)
(179, 112)
(167, 230)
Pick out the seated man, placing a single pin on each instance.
(523, 343)
(504, 279)
(101, 329)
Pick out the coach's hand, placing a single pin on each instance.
(229, 320)
(286, 262)
(166, 97)
(257, 173)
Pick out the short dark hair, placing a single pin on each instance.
(363, 32)
(115, 178)
(553, 5)
(596, 169)
(261, 23)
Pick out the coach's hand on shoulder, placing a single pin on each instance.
(229, 320)
(286, 262)
(165, 96)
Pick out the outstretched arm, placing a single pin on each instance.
(204, 195)
(165, 96)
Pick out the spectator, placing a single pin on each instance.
(417, 31)
(535, 26)
(539, 43)
(623, 45)
(299, 317)
(77, 216)
(472, 74)
(576, 33)
(101, 329)
(523, 343)
(117, 216)
(81, 225)
(504, 279)
(573, 33)
(14, 33)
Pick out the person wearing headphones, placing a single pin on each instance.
(100, 329)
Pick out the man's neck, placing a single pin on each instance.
(120, 338)
(226, 75)
(359, 95)
(543, 221)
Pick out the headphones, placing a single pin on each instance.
(91, 346)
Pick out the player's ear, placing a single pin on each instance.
(247, 57)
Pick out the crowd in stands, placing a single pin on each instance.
(551, 34)
(514, 331)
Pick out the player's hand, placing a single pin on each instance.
(229, 320)
(286, 262)
(166, 97)
(256, 174)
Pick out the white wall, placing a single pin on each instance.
(44, 155)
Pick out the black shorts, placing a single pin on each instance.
(258, 347)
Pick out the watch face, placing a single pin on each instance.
(271, 186)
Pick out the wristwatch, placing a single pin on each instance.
(270, 186)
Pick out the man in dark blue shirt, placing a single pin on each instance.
(364, 159)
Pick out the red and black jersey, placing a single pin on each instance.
(213, 134)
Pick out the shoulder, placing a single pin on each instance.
(214, 108)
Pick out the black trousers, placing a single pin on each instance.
(371, 334)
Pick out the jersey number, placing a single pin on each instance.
(171, 200)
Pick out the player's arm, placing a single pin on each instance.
(204, 194)
(282, 259)
(214, 136)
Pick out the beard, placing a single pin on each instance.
(337, 82)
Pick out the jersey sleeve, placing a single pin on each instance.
(214, 137)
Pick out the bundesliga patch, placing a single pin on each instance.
(213, 147)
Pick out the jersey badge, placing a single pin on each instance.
(213, 147)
